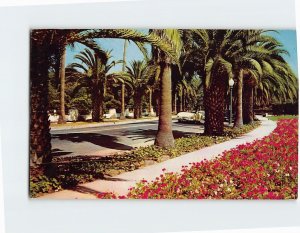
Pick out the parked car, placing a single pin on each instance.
(194, 117)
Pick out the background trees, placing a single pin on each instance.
(94, 75)
(139, 74)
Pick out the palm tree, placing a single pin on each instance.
(122, 115)
(67, 37)
(62, 78)
(217, 69)
(164, 137)
(139, 73)
(94, 69)
(279, 84)
(245, 62)
(273, 76)
(41, 49)
(227, 54)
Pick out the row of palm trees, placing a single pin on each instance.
(139, 76)
(181, 60)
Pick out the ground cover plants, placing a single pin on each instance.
(279, 117)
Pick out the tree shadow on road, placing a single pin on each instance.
(102, 140)
(58, 152)
(149, 134)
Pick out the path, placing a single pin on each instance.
(121, 183)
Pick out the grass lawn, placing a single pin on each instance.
(279, 117)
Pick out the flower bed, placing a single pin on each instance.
(264, 169)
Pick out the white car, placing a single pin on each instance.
(195, 117)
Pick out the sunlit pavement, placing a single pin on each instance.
(106, 140)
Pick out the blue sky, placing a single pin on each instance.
(289, 40)
(115, 46)
(286, 37)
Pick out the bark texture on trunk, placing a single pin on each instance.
(150, 101)
(184, 100)
(175, 103)
(97, 94)
(248, 104)
(214, 97)
(239, 101)
(122, 115)
(181, 100)
(137, 110)
(101, 102)
(40, 138)
(164, 137)
(157, 100)
(96, 103)
(62, 77)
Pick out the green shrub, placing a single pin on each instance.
(43, 184)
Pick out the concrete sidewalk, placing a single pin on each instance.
(121, 183)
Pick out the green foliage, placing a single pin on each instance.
(82, 103)
(276, 118)
(111, 102)
(43, 184)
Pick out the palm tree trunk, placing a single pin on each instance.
(157, 100)
(181, 100)
(150, 101)
(164, 137)
(175, 103)
(248, 104)
(40, 138)
(96, 103)
(62, 77)
(214, 107)
(137, 106)
(122, 115)
(101, 106)
(239, 103)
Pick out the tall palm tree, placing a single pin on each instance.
(227, 54)
(67, 37)
(62, 78)
(217, 69)
(164, 137)
(273, 76)
(42, 46)
(122, 115)
(280, 86)
(94, 70)
(139, 73)
(245, 59)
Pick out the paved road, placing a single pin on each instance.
(105, 140)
